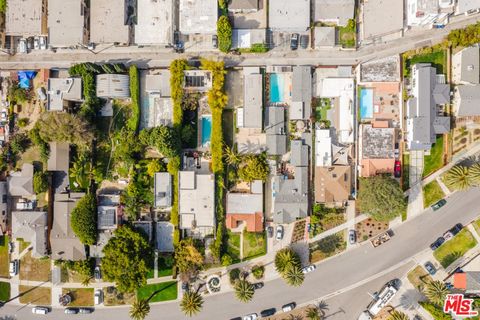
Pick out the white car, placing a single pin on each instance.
(308, 269)
(98, 296)
(36, 43)
(40, 310)
(289, 307)
(13, 268)
(251, 316)
(279, 233)
(447, 235)
(43, 43)
(22, 46)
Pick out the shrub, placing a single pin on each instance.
(34, 135)
(254, 167)
(22, 122)
(134, 120)
(224, 31)
(154, 166)
(234, 275)
(435, 311)
(83, 219)
(226, 260)
(177, 67)
(19, 143)
(258, 271)
(40, 182)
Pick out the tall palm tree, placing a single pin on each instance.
(474, 172)
(458, 178)
(139, 309)
(231, 157)
(244, 290)
(286, 258)
(397, 315)
(313, 314)
(436, 292)
(191, 303)
(294, 276)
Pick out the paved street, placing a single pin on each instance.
(333, 277)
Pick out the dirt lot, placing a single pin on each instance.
(80, 296)
(35, 295)
(114, 298)
(34, 269)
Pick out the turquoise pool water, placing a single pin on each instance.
(277, 87)
(206, 130)
(366, 103)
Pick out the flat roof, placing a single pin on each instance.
(113, 85)
(244, 203)
(382, 17)
(377, 143)
(381, 70)
(66, 22)
(108, 21)
(253, 100)
(324, 37)
(24, 18)
(467, 5)
(339, 11)
(198, 16)
(154, 22)
(245, 38)
(289, 15)
(60, 89)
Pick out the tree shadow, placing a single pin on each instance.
(450, 258)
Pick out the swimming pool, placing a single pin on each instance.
(277, 87)
(206, 130)
(366, 103)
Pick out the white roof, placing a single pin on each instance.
(198, 16)
(23, 18)
(323, 148)
(196, 203)
(244, 38)
(244, 203)
(285, 15)
(66, 22)
(382, 17)
(113, 85)
(107, 22)
(466, 5)
(296, 110)
(155, 22)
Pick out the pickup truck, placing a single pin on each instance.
(381, 238)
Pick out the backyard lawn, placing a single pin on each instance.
(455, 248)
(165, 291)
(4, 291)
(432, 193)
(80, 296)
(436, 58)
(234, 246)
(418, 277)
(254, 244)
(34, 269)
(35, 295)
(434, 161)
(4, 256)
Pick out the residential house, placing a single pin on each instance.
(245, 210)
(333, 184)
(246, 38)
(466, 74)
(251, 115)
(289, 16)
(145, 227)
(63, 241)
(197, 80)
(164, 236)
(196, 203)
(467, 283)
(243, 6)
(323, 148)
(301, 105)
(376, 149)
(325, 37)
(291, 194)
(31, 226)
(114, 86)
(108, 217)
(162, 190)
(59, 157)
(3, 207)
(155, 22)
(109, 22)
(467, 101)
(467, 6)
(159, 104)
(63, 91)
(425, 12)
(68, 22)
(337, 12)
(381, 19)
(427, 92)
(20, 183)
(198, 16)
(276, 131)
(26, 18)
(381, 70)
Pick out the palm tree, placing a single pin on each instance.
(244, 290)
(397, 315)
(294, 276)
(191, 303)
(139, 309)
(436, 292)
(284, 259)
(458, 178)
(231, 157)
(474, 173)
(313, 314)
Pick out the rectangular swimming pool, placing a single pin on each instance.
(277, 87)
(206, 130)
(366, 103)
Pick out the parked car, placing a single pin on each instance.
(29, 43)
(13, 268)
(294, 41)
(185, 287)
(40, 310)
(3, 115)
(98, 296)
(352, 237)
(22, 46)
(279, 233)
(215, 41)
(97, 273)
(304, 41)
(397, 151)
(270, 231)
(251, 316)
(456, 229)
(439, 204)
(85, 310)
(268, 312)
(430, 268)
(36, 43)
(43, 43)
(447, 235)
(71, 311)
(91, 46)
(258, 285)
(397, 171)
(10, 246)
(437, 243)
(309, 268)
(289, 307)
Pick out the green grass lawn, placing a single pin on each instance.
(165, 264)
(432, 193)
(455, 248)
(476, 225)
(254, 244)
(434, 161)
(4, 291)
(437, 59)
(347, 35)
(233, 248)
(4, 256)
(419, 277)
(405, 171)
(165, 291)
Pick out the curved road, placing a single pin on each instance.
(348, 270)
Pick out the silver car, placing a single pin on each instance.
(279, 233)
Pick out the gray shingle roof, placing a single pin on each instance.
(20, 184)
(302, 88)
(470, 65)
(59, 156)
(253, 101)
(276, 131)
(299, 157)
(468, 102)
(334, 10)
(31, 226)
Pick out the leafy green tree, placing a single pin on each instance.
(222, 4)
(254, 167)
(294, 276)
(165, 139)
(126, 146)
(187, 257)
(244, 290)
(126, 259)
(474, 173)
(224, 31)
(398, 315)
(140, 309)
(286, 258)
(40, 182)
(458, 178)
(330, 243)
(83, 219)
(3, 6)
(22, 122)
(64, 127)
(34, 136)
(381, 197)
(436, 291)
(15, 93)
(19, 143)
(177, 67)
(192, 303)
(226, 260)
(154, 166)
(81, 170)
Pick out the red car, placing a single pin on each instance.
(398, 169)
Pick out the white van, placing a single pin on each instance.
(13, 268)
(40, 310)
(98, 296)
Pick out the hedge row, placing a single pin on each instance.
(134, 121)
(177, 67)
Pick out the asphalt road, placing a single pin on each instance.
(336, 276)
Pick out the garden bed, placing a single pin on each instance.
(370, 228)
(163, 291)
(436, 58)
(4, 291)
(418, 277)
(81, 297)
(455, 248)
(233, 245)
(432, 192)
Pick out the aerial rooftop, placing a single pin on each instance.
(67, 23)
(108, 21)
(289, 15)
(198, 16)
(25, 18)
(155, 22)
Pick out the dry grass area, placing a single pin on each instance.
(34, 269)
(35, 295)
(112, 297)
(80, 296)
(419, 277)
(370, 228)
